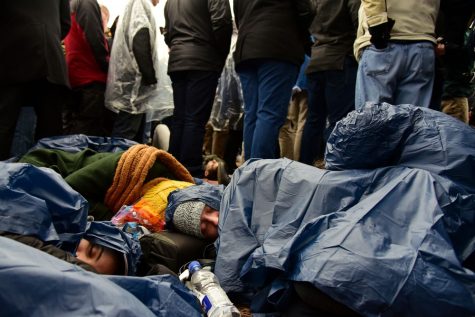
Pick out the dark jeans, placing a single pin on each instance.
(47, 100)
(129, 126)
(88, 114)
(24, 138)
(193, 96)
(331, 96)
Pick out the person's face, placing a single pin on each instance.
(155, 2)
(211, 169)
(209, 223)
(102, 259)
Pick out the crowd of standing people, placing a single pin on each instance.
(295, 68)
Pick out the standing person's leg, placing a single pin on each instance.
(219, 143)
(129, 126)
(376, 79)
(12, 97)
(248, 76)
(287, 131)
(176, 123)
(276, 79)
(24, 138)
(49, 109)
(340, 93)
(91, 111)
(302, 108)
(456, 107)
(201, 90)
(233, 149)
(311, 147)
(417, 74)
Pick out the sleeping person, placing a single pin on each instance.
(39, 209)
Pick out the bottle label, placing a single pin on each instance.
(205, 302)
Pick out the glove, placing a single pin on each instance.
(380, 34)
(146, 81)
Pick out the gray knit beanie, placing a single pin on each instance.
(187, 217)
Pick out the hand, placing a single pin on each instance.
(381, 33)
(295, 91)
(148, 81)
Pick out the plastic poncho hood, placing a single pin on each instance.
(124, 91)
(106, 234)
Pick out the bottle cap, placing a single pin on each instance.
(194, 266)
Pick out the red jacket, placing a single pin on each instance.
(87, 52)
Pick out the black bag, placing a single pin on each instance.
(174, 249)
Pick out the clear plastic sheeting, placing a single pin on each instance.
(384, 239)
(35, 283)
(125, 91)
(164, 100)
(228, 107)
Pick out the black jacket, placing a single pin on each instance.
(198, 34)
(31, 33)
(334, 27)
(276, 29)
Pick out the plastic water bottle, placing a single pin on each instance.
(212, 297)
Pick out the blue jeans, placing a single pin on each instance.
(267, 87)
(402, 73)
(331, 97)
(193, 96)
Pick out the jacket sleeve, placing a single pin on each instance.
(143, 55)
(88, 16)
(65, 18)
(353, 8)
(306, 12)
(221, 23)
(375, 11)
(165, 33)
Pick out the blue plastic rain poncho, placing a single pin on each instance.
(37, 284)
(78, 142)
(385, 234)
(38, 202)
(106, 234)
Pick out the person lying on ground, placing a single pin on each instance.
(173, 205)
(39, 209)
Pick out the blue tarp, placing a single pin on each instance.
(384, 229)
(77, 142)
(38, 202)
(37, 284)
